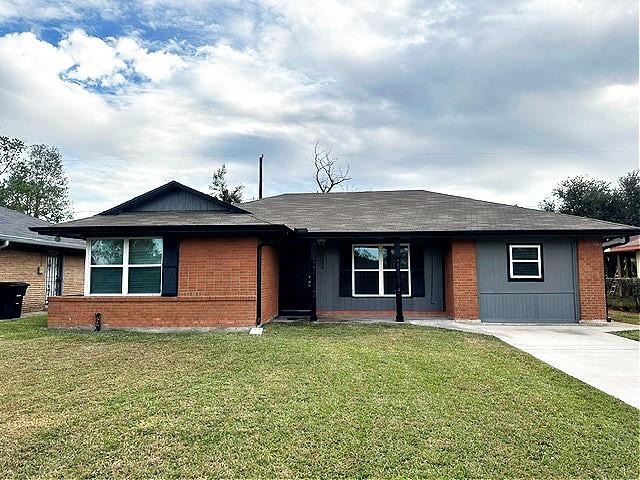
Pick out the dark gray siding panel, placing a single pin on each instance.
(178, 201)
(328, 291)
(550, 301)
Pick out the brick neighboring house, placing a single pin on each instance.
(50, 267)
(176, 257)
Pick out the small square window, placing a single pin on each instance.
(525, 262)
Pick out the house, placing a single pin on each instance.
(51, 266)
(622, 261)
(176, 257)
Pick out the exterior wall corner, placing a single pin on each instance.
(461, 281)
(591, 287)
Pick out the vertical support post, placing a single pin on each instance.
(313, 315)
(260, 179)
(399, 314)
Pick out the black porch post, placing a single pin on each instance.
(396, 250)
(313, 315)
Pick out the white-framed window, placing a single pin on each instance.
(123, 266)
(525, 262)
(373, 270)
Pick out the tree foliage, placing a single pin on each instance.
(36, 184)
(220, 189)
(10, 151)
(594, 198)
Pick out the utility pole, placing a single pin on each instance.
(260, 180)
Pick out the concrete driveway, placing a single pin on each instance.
(588, 353)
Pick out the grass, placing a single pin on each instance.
(299, 401)
(632, 334)
(625, 317)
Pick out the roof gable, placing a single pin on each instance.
(173, 197)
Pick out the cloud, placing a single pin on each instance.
(94, 59)
(488, 99)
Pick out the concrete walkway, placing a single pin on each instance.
(589, 353)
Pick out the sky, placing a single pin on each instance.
(494, 100)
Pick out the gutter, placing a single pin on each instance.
(617, 242)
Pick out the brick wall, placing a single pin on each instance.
(156, 312)
(73, 274)
(461, 281)
(270, 282)
(591, 280)
(216, 288)
(217, 266)
(20, 264)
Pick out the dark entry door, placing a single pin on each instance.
(53, 275)
(295, 279)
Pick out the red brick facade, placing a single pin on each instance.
(591, 281)
(216, 288)
(23, 263)
(270, 282)
(461, 281)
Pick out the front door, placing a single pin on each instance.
(295, 278)
(53, 275)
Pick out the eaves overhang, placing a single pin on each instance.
(139, 230)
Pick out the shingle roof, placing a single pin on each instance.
(167, 219)
(348, 212)
(412, 211)
(631, 246)
(14, 226)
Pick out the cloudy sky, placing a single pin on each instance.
(497, 100)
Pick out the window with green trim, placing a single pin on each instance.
(124, 266)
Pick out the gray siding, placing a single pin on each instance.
(178, 201)
(552, 300)
(328, 292)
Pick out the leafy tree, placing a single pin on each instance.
(628, 198)
(10, 151)
(589, 197)
(37, 185)
(220, 189)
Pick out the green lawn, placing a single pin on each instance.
(355, 401)
(625, 317)
(632, 334)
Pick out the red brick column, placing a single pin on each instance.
(270, 281)
(461, 281)
(591, 281)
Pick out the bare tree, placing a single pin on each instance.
(329, 173)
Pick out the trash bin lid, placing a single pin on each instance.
(14, 284)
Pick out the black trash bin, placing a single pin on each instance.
(11, 295)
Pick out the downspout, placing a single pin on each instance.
(4, 244)
(624, 241)
(259, 277)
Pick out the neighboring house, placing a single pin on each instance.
(176, 257)
(51, 267)
(623, 261)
